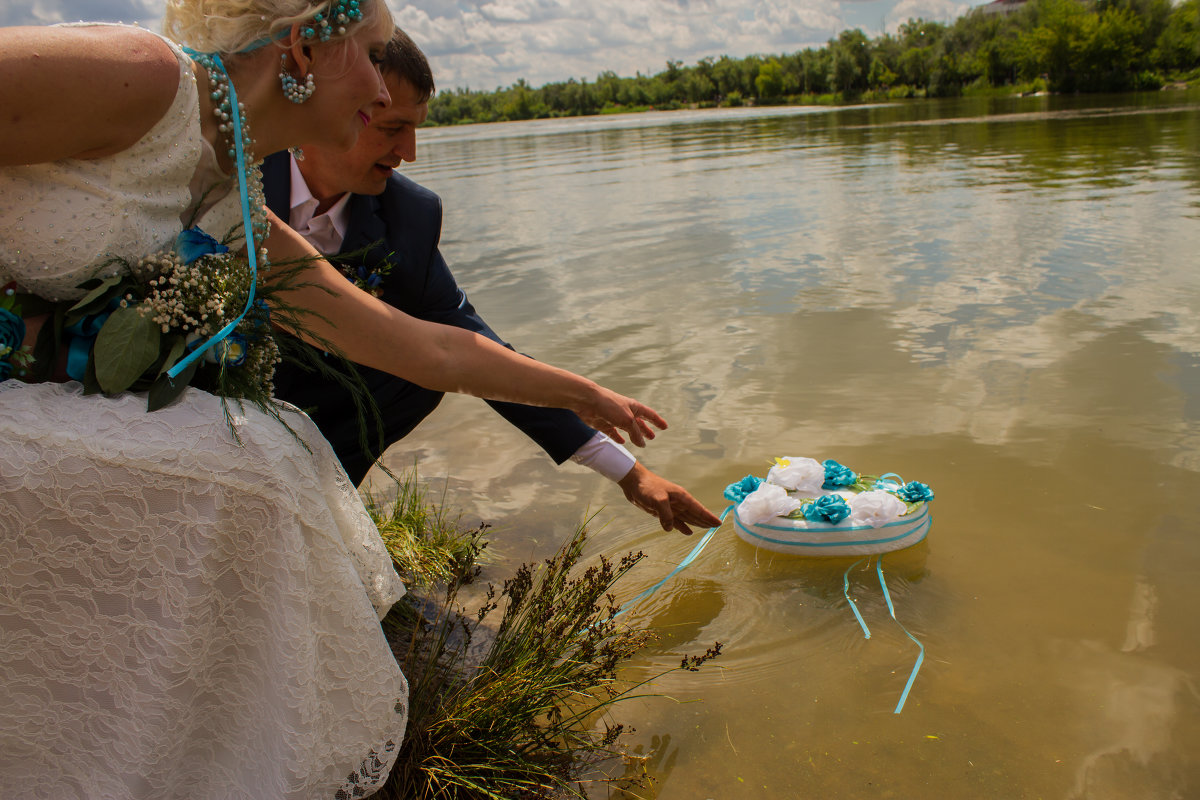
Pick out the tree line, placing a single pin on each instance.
(1042, 45)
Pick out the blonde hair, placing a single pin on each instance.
(231, 26)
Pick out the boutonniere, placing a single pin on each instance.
(369, 279)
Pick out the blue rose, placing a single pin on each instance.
(260, 313)
(831, 508)
(737, 492)
(837, 476)
(194, 243)
(915, 492)
(12, 335)
(231, 350)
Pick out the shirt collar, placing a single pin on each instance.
(303, 204)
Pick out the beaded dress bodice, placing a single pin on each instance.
(63, 222)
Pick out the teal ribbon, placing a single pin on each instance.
(912, 676)
(707, 537)
(884, 483)
(692, 556)
(83, 335)
(250, 48)
(853, 605)
(247, 223)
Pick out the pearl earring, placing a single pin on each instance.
(292, 89)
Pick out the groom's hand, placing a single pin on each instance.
(668, 501)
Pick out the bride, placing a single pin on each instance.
(186, 610)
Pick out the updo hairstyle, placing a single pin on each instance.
(230, 26)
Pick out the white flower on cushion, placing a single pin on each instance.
(765, 503)
(875, 508)
(798, 474)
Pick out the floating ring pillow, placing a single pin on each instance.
(810, 508)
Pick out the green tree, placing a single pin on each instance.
(850, 63)
(880, 77)
(768, 84)
(1178, 46)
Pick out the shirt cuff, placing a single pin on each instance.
(605, 456)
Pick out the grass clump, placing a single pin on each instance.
(427, 546)
(517, 708)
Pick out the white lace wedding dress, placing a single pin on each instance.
(181, 615)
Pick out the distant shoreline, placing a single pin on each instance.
(1015, 47)
(824, 101)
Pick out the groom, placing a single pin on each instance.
(351, 201)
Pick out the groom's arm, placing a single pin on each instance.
(557, 431)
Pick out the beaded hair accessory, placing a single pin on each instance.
(325, 24)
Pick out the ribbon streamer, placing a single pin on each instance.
(891, 610)
(853, 605)
(920, 656)
(692, 556)
(707, 537)
(247, 223)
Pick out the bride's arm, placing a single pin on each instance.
(441, 357)
(80, 92)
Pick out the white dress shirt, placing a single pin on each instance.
(326, 231)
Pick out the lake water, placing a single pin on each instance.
(1000, 298)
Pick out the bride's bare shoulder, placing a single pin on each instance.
(81, 91)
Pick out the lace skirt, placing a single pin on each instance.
(184, 616)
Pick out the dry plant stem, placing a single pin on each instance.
(520, 718)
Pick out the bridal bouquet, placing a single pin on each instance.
(130, 329)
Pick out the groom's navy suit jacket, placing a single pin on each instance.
(402, 226)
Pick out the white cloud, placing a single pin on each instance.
(932, 10)
(488, 43)
(496, 42)
(45, 12)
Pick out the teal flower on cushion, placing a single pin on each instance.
(194, 243)
(737, 492)
(837, 476)
(12, 335)
(915, 492)
(831, 508)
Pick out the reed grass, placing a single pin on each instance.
(428, 546)
(519, 708)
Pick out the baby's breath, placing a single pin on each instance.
(196, 298)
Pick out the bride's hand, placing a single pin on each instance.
(612, 413)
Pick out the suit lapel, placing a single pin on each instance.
(277, 184)
(364, 226)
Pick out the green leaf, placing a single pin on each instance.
(83, 307)
(178, 346)
(126, 346)
(164, 391)
(90, 384)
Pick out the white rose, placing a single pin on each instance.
(765, 503)
(876, 508)
(800, 475)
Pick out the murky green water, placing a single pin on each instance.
(999, 298)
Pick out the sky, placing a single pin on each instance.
(485, 44)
